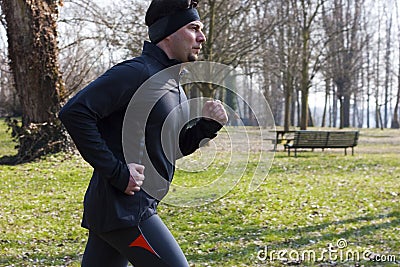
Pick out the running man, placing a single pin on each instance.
(121, 217)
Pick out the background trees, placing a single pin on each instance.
(342, 21)
(94, 37)
(9, 104)
(318, 62)
(349, 56)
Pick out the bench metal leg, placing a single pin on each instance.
(345, 151)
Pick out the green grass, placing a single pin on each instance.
(305, 204)
(7, 146)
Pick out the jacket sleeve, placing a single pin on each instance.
(108, 93)
(191, 136)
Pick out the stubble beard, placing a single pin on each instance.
(192, 57)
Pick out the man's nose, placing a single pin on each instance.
(201, 38)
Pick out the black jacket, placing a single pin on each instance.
(94, 118)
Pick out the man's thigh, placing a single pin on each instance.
(101, 254)
(150, 244)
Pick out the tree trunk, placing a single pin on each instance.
(368, 82)
(304, 70)
(287, 113)
(334, 108)
(387, 69)
(378, 117)
(346, 111)
(341, 113)
(395, 120)
(304, 110)
(293, 109)
(33, 54)
(326, 99)
(285, 60)
(304, 82)
(359, 100)
(377, 78)
(208, 46)
(298, 110)
(310, 118)
(306, 51)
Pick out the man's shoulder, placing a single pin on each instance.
(137, 63)
(143, 64)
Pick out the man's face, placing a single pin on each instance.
(187, 41)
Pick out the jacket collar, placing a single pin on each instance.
(152, 50)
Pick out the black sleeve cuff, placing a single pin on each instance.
(209, 127)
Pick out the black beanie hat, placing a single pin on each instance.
(165, 17)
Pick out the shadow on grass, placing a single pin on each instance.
(316, 153)
(36, 259)
(246, 249)
(298, 238)
(367, 229)
(9, 160)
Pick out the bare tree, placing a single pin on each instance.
(388, 67)
(96, 37)
(33, 53)
(377, 76)
(395, 119)
(342, 25)
(280, 51)
(367, 57)
(289, 61)
(309, 12)
(231, 35)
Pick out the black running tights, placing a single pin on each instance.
(150, 244)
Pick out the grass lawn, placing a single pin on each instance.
(319, 209)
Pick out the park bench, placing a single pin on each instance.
(323, 139)
(282, 137)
